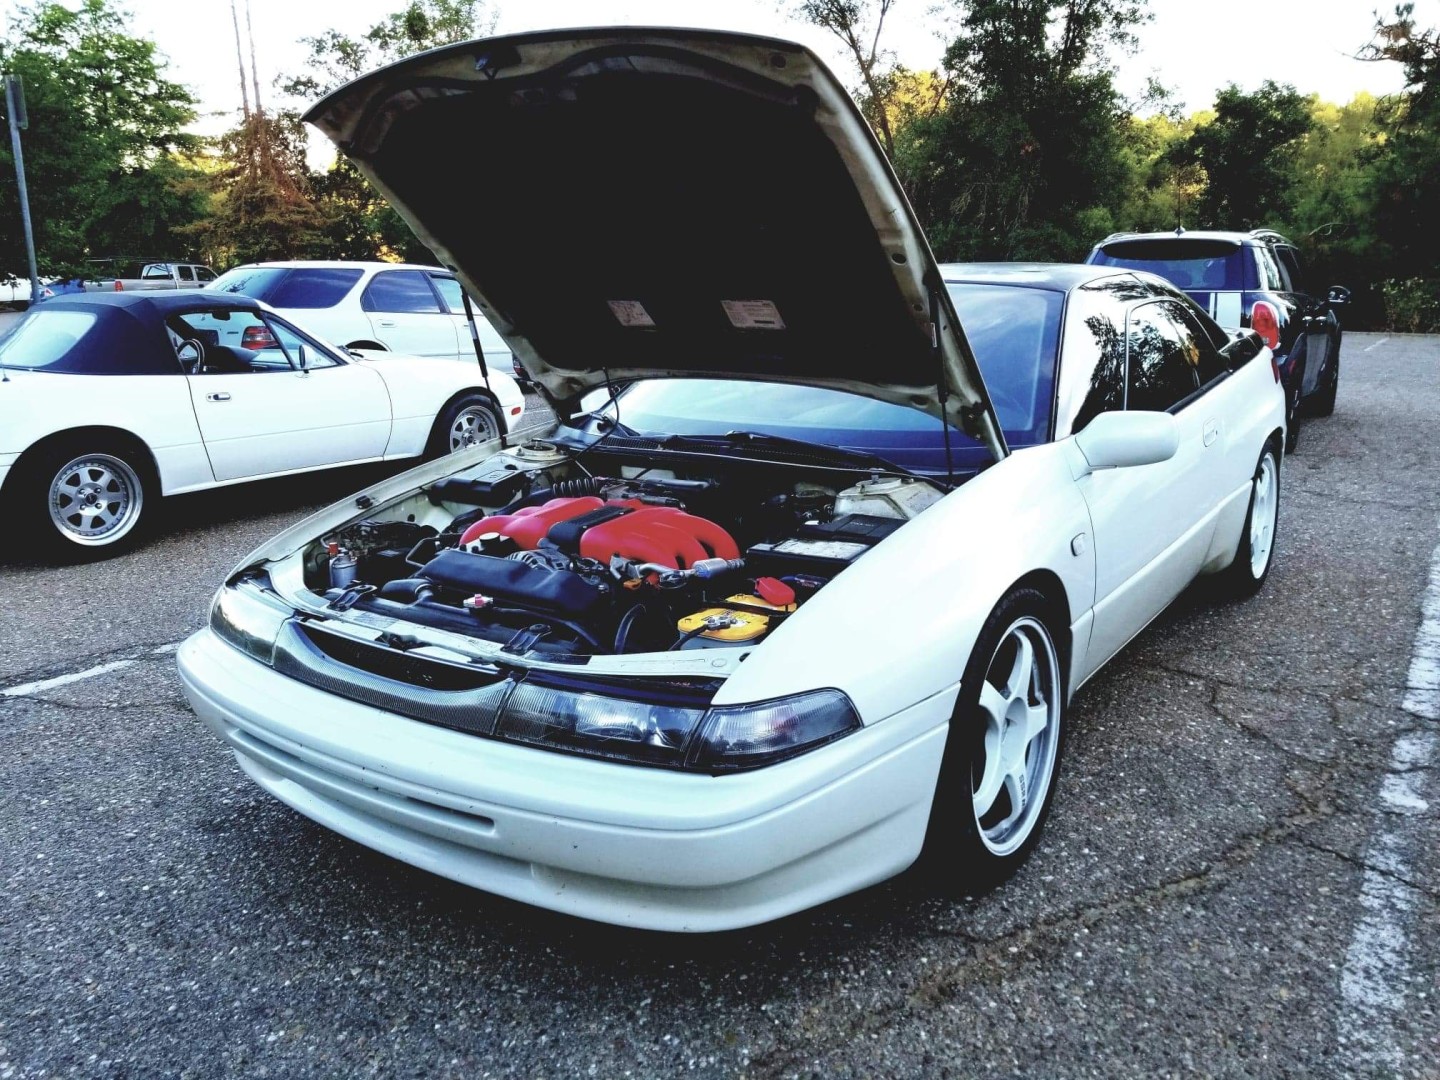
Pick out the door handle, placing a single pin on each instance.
(1212, 431)
(221, 395)
(384, 322)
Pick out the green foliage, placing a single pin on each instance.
(1412, 305)
(1026, 157)
(1248, 152)
(107, 157)
(261, 206)
(358, 224)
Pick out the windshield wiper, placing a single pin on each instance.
(738, 440)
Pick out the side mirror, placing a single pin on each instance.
(1118, 440)
(302, 358)
(1337, 295)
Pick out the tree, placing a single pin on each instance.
(1405, 183)
(1026, 158)
(358, 223)
(1249, 153)
(107, 157)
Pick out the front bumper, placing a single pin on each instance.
(642, 847)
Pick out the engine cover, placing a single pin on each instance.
(628, 528)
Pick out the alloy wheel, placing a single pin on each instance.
(1264, 510)
(472, 426)
(1020, 709)
(96, 499)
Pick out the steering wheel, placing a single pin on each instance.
(191, 352)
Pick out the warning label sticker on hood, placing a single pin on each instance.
(753, 314)
(632, 313)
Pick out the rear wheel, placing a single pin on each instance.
(1256, 550)
(82, 501)
(1323, 403)
(1292, 415)
(998, 779)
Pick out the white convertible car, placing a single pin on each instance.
(110, 400)
(763, 621)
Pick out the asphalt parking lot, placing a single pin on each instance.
(1241, 875)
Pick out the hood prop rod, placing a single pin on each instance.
(942, 387)
(480, 356)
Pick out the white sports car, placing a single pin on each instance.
(763, 627)
(110, 400)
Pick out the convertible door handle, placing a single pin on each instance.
(221, 395)
(1212, 431)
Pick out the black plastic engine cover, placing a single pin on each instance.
(506, 581)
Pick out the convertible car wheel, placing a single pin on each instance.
(998, 778)
(469, 421)
(94, 501)
(1257, 539)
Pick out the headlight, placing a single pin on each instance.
(244, 617)
(748, 736)
(660, 732)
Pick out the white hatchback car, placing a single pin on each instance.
(394, 307)
(778, 619)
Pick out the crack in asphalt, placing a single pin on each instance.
(147, 654)
(1366, 864)
(1042, 937)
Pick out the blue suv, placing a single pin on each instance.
(1251, 280)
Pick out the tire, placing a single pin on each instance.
(1322, 403)
(1255, 553)
(976, 840)
(1292, 415)
(469, 420)
(84, 500)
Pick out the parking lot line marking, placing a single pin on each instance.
(161, 650)
(1377, 972)
(26, 689)
(1376, 345)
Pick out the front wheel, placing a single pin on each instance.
(469, 420)
(1256, 550)
(1003, 752)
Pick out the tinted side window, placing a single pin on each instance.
(1269, 269)
(1162, 359)
(186, 274)
(1290, 263)
(1092, 361)
(450, 292)
(1200, 346)
(317, 288)
(204, 273)
(401, 291)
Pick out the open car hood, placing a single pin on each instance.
(638, 203)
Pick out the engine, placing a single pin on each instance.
(599, 566)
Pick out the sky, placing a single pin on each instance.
(1192, 46)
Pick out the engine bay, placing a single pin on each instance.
(535, 553)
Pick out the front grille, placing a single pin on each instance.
(422, 688)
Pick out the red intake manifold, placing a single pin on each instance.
(655, 534)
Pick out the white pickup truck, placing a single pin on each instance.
(131, 274)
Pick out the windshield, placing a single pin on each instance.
(1195, 265)
(1014, 332)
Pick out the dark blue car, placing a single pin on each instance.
(1251, 280)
